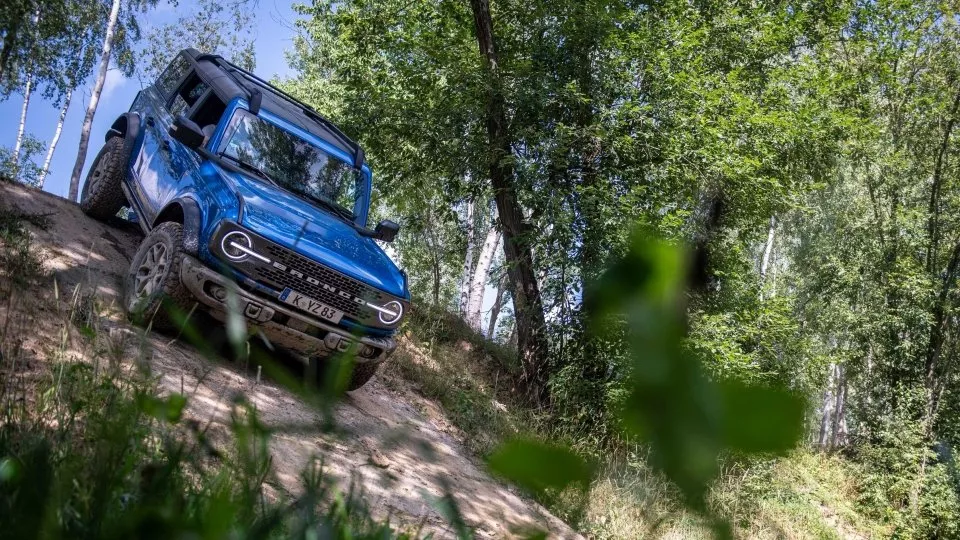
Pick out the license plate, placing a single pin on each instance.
(315, 307)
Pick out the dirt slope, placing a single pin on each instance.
(400, 475)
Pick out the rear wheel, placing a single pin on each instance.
(154, 292)
(102, 196)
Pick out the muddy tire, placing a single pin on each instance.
(319, 369)
(153, 287)
(102, 197)
(361, 374)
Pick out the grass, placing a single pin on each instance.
(803, 495)
(467, 375)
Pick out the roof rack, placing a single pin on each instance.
(255, 97)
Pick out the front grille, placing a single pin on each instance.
(282, 279)
(308, 277)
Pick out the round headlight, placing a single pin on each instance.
(390, 312)
(238, 238)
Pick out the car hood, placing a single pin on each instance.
(295, 224)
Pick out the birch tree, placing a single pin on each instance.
(478, 282)
(105, 56)
(52, 147)
(467, 260)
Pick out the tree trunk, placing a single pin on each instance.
(55, 140)
(94, 100)
(826, 416)
(478, 283)
(467, 262)
(518, 255)
(435, 253)
(495, 309)
(23, 119)
(768, 249)
(933, 219)
(836, 438)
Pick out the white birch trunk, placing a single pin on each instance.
(826, 409)
(94, 100)
(55, 140)
(23, 120)
(467, 261)
(479, 281)
(26, 103)
(768, 249)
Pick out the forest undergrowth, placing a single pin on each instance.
(804, 494)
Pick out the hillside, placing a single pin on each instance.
(394, 445)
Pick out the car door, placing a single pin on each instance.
(189, 100)
(153, 165)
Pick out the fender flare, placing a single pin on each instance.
(127, 125)
(185, 211)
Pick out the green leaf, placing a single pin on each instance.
(169, 409)
(760, 419)
(537, 466)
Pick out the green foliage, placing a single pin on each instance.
(907, 485)
(24, 169)
(208, 26)
(538, 466)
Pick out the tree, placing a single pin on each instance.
(208, 26)
(120, 32)
(518, 254)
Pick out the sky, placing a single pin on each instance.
(273, 36)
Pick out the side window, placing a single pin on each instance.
(207, 113)
(192, 90)
(170, 78)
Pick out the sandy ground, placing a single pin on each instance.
(393, 443)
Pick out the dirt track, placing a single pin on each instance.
(394, 443)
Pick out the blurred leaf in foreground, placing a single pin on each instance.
(688, 420)
(537, 466)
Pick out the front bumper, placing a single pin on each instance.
(279, 324)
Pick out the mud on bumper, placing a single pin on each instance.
(279, 324)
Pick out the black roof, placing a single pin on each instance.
(229, 81)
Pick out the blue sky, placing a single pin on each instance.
(273, 35)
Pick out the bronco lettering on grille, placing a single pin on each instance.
(315, 281)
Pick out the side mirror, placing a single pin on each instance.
(386, 230)
(187, 132)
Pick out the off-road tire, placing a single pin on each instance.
(361, 374)
(150, 297)
(102, 197)
(318, 368)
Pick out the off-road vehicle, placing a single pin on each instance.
(250, 201)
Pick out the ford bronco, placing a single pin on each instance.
(250, 201)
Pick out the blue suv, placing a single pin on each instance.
(252, 203)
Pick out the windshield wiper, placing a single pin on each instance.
(339, 210)
(250, 168)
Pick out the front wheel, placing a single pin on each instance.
(322, 368)
(361, 374)
(102, 197)
(154, 292)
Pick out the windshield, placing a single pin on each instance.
(292, 162)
